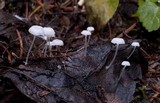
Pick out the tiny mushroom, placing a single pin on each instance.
(116, 41)
(86, 33)
(55, 42)
(44, 50)
(49, 32)
(91, 29)
(134, 44)
(35, 30)
(125, 64)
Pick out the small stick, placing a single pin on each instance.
(127, 30)
(35, 10)
(26, 14)
(20, 43)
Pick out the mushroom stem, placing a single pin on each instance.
(50, 48)
(125, 64)
(85, 45)
(113, 57)
(131, 52)
(44, 50)
(119, 78)
(89, 37)
(121, 73)
(86, 33)
(26, 62)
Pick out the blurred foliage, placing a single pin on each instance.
(99, 12)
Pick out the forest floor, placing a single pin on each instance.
(68, 20)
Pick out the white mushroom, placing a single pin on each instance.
(48, 32)
(86, 33)
(117, 42)
(36, 31)
(90, 28)
(134, 44)
(125, 64)
(55, 42)
(45, 47)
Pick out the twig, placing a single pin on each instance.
(66, 3)
(41, 5)
(144, 52)
(127, 30)
(35, 10)
(26, 10)
(20, 43)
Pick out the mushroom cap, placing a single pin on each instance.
(125, 63)
(90, 28)
(49, 32)
(86, 32)
(135, 44)
(118, 41)
(36, 30)
(55, 42)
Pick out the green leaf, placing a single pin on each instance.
(99, 12)
(140, 2)
(152, 1)
(149, 15)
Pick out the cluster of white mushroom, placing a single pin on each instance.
(87, 33)
(117, 42)
(45, 33)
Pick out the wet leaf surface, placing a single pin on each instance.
(79, 79)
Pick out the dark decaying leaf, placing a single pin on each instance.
(79, 79)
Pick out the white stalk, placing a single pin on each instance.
(131, 52)
(86, 33)
(114, 57)
(122, 71)
(134, 44)
(125, 64)
(50, 48)
(116, 41)
(26, 62)
(85, 45)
